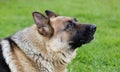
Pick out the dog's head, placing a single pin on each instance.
(62, 31)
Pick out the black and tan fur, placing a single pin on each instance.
(47, 46)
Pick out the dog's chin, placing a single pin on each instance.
(81, 42)
(85, 41)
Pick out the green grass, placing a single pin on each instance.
(101, 55)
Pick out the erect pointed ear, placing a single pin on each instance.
(50, 13)
(40, 19)
(43, 24)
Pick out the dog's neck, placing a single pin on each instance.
(34, 47)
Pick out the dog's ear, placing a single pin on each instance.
(43, 24)
(50, 13)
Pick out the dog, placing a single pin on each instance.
(47, 46)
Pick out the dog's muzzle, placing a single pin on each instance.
(83, 37)
(88, 34)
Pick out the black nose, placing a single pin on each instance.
(92, 28)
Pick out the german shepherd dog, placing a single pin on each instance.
(47, 46)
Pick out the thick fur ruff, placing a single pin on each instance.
(24, 54)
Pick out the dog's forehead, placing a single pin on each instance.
(59, 22)
(61, 18)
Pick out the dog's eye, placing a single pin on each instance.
(70, 25)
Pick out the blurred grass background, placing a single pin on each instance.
(101, 55)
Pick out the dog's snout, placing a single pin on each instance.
(92, 28)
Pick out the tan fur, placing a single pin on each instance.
(45, 56)
(36, 53)
(25, 63)
(40, 48)
(58, 22)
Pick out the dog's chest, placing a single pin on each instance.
(27, 65)
(23, 62)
